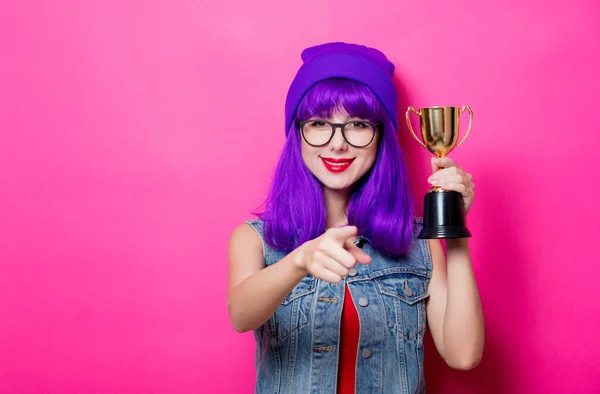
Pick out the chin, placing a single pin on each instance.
(336, 184)
(336, 187)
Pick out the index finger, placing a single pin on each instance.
(438, 163)
(357, 252)
(343, 233)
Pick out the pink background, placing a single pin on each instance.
(136, 135)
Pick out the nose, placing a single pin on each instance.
(338, 142)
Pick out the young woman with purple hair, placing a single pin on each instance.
(331, 276)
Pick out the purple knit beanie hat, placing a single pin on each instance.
(359, 63)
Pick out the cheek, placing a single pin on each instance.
(374, 150)
(310, 156)
(369, 158)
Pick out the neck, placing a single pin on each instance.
(336, 204)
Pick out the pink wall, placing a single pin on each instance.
(135, 135)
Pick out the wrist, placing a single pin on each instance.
(457, 243)
(298, 259)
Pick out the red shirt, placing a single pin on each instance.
(349, 333)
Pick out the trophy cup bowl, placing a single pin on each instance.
(443, 210)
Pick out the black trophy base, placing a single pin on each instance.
(443, 216)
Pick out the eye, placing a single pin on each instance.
(317, 123)
(359, 124)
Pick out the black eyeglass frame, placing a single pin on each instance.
(334, 127)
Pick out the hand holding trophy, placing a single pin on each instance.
(443, 215)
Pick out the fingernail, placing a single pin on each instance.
(433, 180)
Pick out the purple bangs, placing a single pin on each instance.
(333, 95)
(381, 204)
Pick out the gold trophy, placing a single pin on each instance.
(443, 211)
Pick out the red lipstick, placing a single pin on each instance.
(336, 165)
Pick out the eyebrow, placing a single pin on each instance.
(347, 119)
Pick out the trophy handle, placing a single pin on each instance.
(462, 111)
(410, 126)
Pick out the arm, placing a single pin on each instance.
(255, 292)
(454, 308)
(454, 313)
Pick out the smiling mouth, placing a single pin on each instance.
(336, 165)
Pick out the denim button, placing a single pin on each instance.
(407, 290)
(366, 353)
(362, 301)
(353, 272)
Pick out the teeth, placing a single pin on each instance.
(337, 164)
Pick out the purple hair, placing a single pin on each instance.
(381, 204)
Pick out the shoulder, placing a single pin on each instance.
(432, 248)
(245, 256)
(247, 235)
(427, 248)
(256, 224)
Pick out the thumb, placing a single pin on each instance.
(434, 164)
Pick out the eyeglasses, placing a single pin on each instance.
(318, 132)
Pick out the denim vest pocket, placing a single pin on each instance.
(294, 310)
(407, 289)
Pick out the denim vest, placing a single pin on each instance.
(297, 349)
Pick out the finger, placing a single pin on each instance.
(434, 167)
(450, 178)
(441, 162)
(444, 173)
(470, 196)
(341, 255)
(343, 233)
(332, 265)
(359, 254)
(318, 271)
(457, 187)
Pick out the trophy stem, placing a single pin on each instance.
(435, 189)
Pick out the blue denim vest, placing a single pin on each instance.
(297, 348)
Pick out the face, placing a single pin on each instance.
(339, 165)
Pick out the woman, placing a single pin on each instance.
(331, 277)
